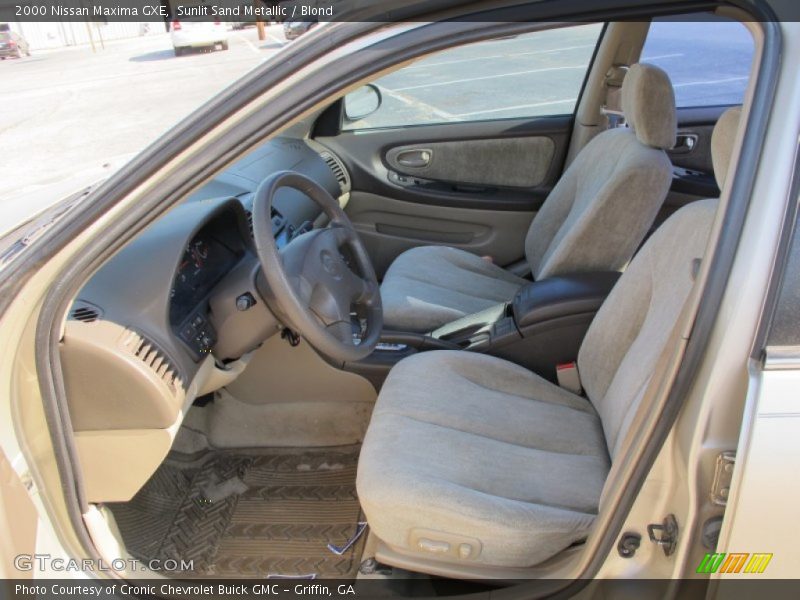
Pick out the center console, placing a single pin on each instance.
(540, 328)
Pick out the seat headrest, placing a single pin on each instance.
(648, 102)
(722, 139)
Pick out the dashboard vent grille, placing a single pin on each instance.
(338, 170)
(85, 312)
(150, 355)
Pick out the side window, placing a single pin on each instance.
(529, 75)
(707, 58)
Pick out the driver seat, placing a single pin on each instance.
(470, 458)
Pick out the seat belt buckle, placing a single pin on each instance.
(568, 377)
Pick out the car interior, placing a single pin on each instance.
(369, 349)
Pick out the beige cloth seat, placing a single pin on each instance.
(470, 449)
(593, 220)
(471, 458)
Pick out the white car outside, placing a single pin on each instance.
(198, 34)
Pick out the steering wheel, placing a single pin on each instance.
(320, 277)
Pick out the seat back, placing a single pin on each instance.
(603, 205)
(631, 329)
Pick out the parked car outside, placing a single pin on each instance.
(294, 29)
(14, 45)
(189, 34)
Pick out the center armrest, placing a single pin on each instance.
(548, 320)
(556, 297)
(542, 327)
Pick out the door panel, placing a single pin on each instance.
(371, 159)
(389, 226)
(516, 162)
(692, 150)
(691, 159)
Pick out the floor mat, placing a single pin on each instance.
(250, 514)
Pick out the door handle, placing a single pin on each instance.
(416, 159)
(685, 143)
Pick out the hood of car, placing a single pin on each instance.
(34, 200)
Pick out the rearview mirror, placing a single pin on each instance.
(362, 102)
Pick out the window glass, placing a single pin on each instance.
(708, 59)
(528, 75)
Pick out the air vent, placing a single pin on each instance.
(85, 312)
(338, 170)
(150, 355)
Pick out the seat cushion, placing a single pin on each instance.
(476, 458)
(429, 286)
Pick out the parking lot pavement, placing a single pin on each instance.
(68, 111)
(527, 75)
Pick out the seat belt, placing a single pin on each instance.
(569, 378)
(612, 107)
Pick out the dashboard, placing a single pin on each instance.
(210, 255)
(181, 284)
(204, 263)
(173, 315)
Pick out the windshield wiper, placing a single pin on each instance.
(17, 241)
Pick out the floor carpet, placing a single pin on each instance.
(254, 514)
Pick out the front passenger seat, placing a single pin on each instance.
(593, 220)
